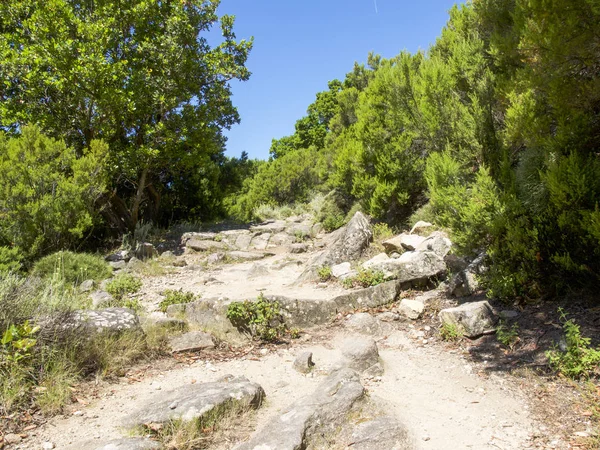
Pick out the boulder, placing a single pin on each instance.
(473, 319)
(420, 227)
(379, 434)
(301, 231)
(370, 297)
(92, 322)
(242, 240)
(376, 261)
(465, 283)
(193, 401)
(134, 443)
(403, 242)
(199, 236)
(339, 270)
(134, 263)
(363, 323)
(319, 413)
(245, 256)
(298, 248)
(303, 362)
(260, 242)
(145, 251)
(360, 353)
(411, 309)
(191, 342)
(87, 286)
(419, 268)
(257, 271)
(100, 299)
(437, 242)
(455, 263)
(203, 245)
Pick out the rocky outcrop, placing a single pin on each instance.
(379, 434)
(465, 283)
(403, 242)
(473, 319)
(191, 342)
(414, 269)
(202, 245)
(437, 242)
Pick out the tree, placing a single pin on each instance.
(138, 74)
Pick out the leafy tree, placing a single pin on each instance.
(138, 74)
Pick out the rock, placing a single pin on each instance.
(134, 263)
(474, 319)
(509, 314)
(376, 370)
(465, 283)
(242, 241)
(403, 242)
(257, 271)
(109, 320)
(48, 445)
(167, 254)
(339, 270)
(200, 236)
(363, 323)
(281, 240)
(163, 322)
(379, 434)
(298, 248)
(87, 286)
(376, 261)
(118, 265)
(419, 268)
(412, 309)
(269, 227)
(455, 263)
(12, 438)
(285, 263)
(303, 362)
(136, 443)
(437, 242)
(388, 316)
(100, 299)
(121, 255)
(191, 342)
(193, 401)
(420, 227)
(179, 262)
(370, 297)
(322, 412)
(316, 229)
(260, 242)
(245, 256)
(360, 353)
(348, 245)
(202, 246)
(145, 251)
(300, 231)
(215, 258)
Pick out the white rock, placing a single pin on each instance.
(411, 309)
(340, 270)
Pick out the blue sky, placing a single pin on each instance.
(299, 45)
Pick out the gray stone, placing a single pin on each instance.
(200, 236)
(100, 299)
(134, 263)
(193, 401)
(437, 242)
(167, 254)
(91, 322)
(420, 227)
(363, 323)
(303, 362)
(285, 263)
(388, 316)
(87, 286)
(242, 241)
(339, 270)
(455, 263)
(257, 271)
(191, 341)
(301, 231)
(117, 444)
(403, 242)
(163, 322)
(465, 283)
(202, 245)
(370, 297)
(298, 248)
(145, 251)
(381, 433)
(260, 242)
(245, 256)
(215, 258)
(118, 265)
(360, 353)
(411, 309)
(121, 255)
(322, 412)
(281, 240)
(419, 268)
(273, 227)
(376, 260)
(474, 319)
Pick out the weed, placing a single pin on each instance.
(72, 267)
(173, 297)
(261, 319)
(365, 278)
(507, 336)
(381, 232)
(450, 332)
(122, 285)
(324, 273)
(579, 359)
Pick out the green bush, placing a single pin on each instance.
(324, 273)
(72, 267)
(261, 319)
(369, 277)
(450, 332)
(173, 297)
(507, 336)
(10, 259)
(122, 285)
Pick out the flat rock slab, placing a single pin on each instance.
(193, 401)
(117, 444)
(103, 320)
(473, 319)
(201, 236)
(191, 342)
(379, 434)
(403, 242)
(203, 245)
(320, 412)
(245, 256)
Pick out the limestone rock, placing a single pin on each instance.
(204, 245)
(215, 258)
(191, 342)
(242, 241)
(200, 236)
(376, 261)
(92, 322)
(339, 270)
(298, 248)
(87, 286)
(379, 434)
(403, 242)
(145, 251)
(465, 283)
(420, 267)
(303, 362)
(193, 401)
(420, 227)
(257, 271)
(437, 242)
(363, 323)
(360, 353)
(412, 309)
(281, 240)
(260, 242)
(474, 319)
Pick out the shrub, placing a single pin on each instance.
(507, 336)
(382, 231)
(368, 277)
(72, 267)
(173, 297)
(324, 273)
(261, 319)
(579, 359)
(450, 332)
(10, 259)
(122, 285)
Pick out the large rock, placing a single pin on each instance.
(203, 245)
(437, 242)
(144, 251)
(298, 248)
(466, 282)
(419, 268)
(322, 412)
(200, 236)
(340, 270)
(92, 322)
(260, 242)
(303, 362)
(420, 227)
(411, 309)
(242, 240)
(281, 240)
(403, 242)
(381, 433)
(193, 401)
(370, 297)
(269, 227)
(348, 245)
(376, 261)
(135, 443)
(191, 342)
(473, 319)
(360, 353)
(245, 256)
(363, 323)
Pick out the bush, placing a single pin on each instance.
(72, 267)
(122, 285)
(10, 259)
(173, 297)
(507, 336)
(261, 319)
(324, 273)
(450, 332)
(368, 277)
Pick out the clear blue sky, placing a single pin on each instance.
(299, 45)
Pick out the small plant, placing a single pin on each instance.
(507, 336)
(261, 319)
(579, 359)
(348, 282)
(382, 231)
(369, 277)
(173, 297)
(72, 267)
(122, 285)
(324, 273)
(450, 332)
(17, 342)
(300, 236)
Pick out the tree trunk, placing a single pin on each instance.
(135, 209)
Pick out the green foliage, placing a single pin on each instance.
(173, 297)
(579, 359)
(10, 259)
(262, 319)
(450, 332)
(17, 342)
(324, 273)
(48, 191)
(123, 285)
(382, 231)
(365, 278)
(507, 336)
(72, 267)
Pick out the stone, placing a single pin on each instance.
(269, 227)
(298, 248)
(179, 262)
(258, 271)
(303, 362)
(191, 341)
(135, 443)
(215, 258)
(420, 227)
(121, 255)
(193, 401)
(379, 434)
(316, 229)
(360, 353)
(455, 263)
(388, 316)
(134, 263)
(109, 320)
(465, 283)
(245, 256)
(301, 231)
(418, 268)
(145, 251)
(167, 254)
(509, 314)
(100, 299)
(349, 242)
(48, 445)
(12, 438)
(260, 242)
(201, 236)
(403, 242)
(281, 240)
(411, 309)
(363, 323)
(339, 270)
(242, 241)
(203, 245)
(87, 286)
(376, 261)
(370, 297)
(118, 265)
(437, 242)
(170, 323)
(321, 412)
(474, 319)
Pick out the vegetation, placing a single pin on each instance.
(262, 318)
(72, 267)
(122, 285)
(364, 278)
(324, 273)
(450, 332)
(173, 297)
(507, 336)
